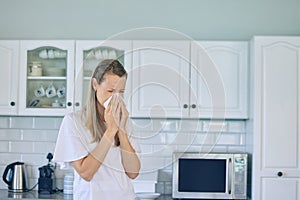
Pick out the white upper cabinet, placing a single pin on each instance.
(160, 79)
(46, 77)
(89, 53)
(276, 162)
(219, 79)
(181, 79)
(9, 77)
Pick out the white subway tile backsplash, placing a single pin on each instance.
(10, 134)
(34, 159)
(215, 126)
(40, 135)
(152, 137)
(236, 126)
(21, 147)
(150, 164)
(4, 122)
(29, 139)
(7, 158)
(181, 138)
(43, 147)
(22, 122)
(4, 146)
(189, 126)
(46, 123)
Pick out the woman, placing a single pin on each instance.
(96, 141)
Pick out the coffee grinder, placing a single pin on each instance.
(46, 182)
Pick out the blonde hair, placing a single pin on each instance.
(94, 120)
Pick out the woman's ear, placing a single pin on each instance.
(95, 83)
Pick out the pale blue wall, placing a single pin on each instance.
(98, 19)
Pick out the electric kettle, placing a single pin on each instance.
(15, 177)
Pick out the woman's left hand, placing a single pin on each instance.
(124, 116)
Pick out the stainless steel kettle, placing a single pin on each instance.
(15, 177)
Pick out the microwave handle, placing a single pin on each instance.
(230, 168)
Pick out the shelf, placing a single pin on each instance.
(46, 78)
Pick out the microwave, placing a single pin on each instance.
(209, 176)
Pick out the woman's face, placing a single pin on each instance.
(111, 84)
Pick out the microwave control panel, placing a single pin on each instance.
(240, 175)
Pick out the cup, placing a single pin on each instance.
(112, 54)
(68, 184)
(50, 91)
(56, 104)
(51, 54)
(105, 54)
(43, 54)
(61, 92)
(39, 92)
(98, 54)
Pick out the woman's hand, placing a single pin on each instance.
(112, 114)
(124, 116)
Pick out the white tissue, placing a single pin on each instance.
(105, 104)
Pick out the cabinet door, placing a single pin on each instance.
(160, 77)
(276, 112)
(89, 53)
(46, 77)
(278, 189)
(9, 77)
(219, 79)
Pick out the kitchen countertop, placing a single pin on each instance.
(33, 195)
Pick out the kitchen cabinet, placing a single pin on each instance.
(276, 138)
(183, 79)
(46, 77)
(219, 79)
(160, 79)
(9, 77)
(91, 52)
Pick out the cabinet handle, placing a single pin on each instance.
(12, 103)
(77, 104)
(280, 174)
(69, 104)
(185, 106)
(193, 105)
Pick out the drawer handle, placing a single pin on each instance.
(12, 103)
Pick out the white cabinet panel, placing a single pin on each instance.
(279, 189)
(279, 106)
(219, 79)
(9, 77)
(276, 165)
(160, 79)
(57, 60)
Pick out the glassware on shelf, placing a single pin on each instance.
(46, 78)
(35, 69)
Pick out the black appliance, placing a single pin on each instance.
(46, 182)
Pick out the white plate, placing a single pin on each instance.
(147, 195)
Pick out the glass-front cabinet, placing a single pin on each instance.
(89, 53)
(47, 77)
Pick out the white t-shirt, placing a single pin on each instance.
(110, 181)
